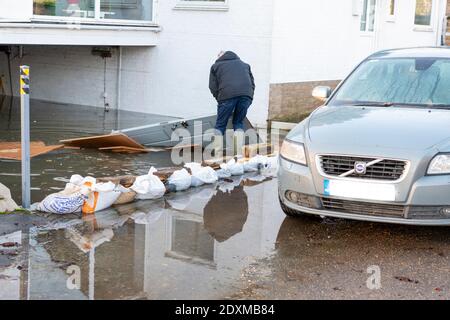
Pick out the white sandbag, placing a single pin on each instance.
(7, 204)
(223, 174)
(101, 197)
(76, 179)
(105, 187)
(148, 187)
(233, 167)
(256, 164)
(64, 202)
(180, 180)
(201, 175)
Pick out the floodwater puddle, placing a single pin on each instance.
(190, 245)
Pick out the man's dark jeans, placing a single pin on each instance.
(225, 110)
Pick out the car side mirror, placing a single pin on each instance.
(322, 93)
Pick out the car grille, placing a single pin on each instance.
(364, 208)
(388, 170)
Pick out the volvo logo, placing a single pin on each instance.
(361, 168)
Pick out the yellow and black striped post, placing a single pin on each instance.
(25, 133)
(24, 80)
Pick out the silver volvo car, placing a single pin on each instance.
(379, 148)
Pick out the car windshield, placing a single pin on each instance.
(423, 82)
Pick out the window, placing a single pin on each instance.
(130, 10)
(368, 16)
(424, 9)
(219, 5)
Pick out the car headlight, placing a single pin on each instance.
(294, 152)
(440, 164)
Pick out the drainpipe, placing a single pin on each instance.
(119, 87)
(8, 53)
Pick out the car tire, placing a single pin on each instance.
(293, 213)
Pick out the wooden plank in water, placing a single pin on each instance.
(13, 150)
(103, 141)
(123, 149)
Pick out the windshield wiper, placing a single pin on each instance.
(438, 106)
(373, 104)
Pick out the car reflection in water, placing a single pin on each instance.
(190, 245)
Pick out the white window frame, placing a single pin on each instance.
(96, 20)
(205, 5)
(431, 26)
(367, 31)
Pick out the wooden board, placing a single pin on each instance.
(123, 149)
(104, 141)
(13, 150)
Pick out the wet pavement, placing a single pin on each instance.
(225, 241)
(335, 259)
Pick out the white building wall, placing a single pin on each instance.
(321, 39)
(174, 75)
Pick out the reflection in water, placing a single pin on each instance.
(226, 214)
(187, 246)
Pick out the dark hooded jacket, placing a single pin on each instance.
(230, 77)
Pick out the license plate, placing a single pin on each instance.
(359, 190)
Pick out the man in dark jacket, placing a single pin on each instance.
(232, 84)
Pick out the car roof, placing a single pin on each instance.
(423, 52)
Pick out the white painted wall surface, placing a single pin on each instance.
(321, 39)
(16, 10)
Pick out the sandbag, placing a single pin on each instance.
(67, 201)
(256, 164)
(201, 175)
(223, 174)
(180, 180)
(233, 168)
(126, 195)
(101, 197)
(7, 204)
(148, 187)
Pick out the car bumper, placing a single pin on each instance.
(428, 192)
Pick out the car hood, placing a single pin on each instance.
(393, 127)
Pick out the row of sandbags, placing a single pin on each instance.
(86, 195)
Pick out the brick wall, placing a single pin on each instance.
(292, 102)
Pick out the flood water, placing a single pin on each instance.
(189, 245)
(51, 123)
